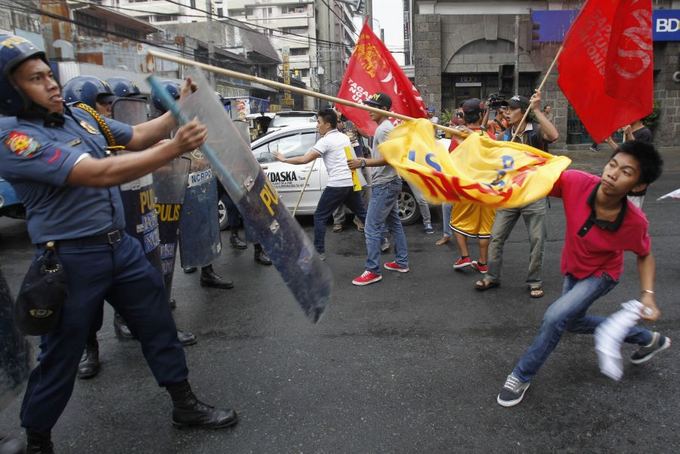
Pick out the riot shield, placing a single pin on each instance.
(199, 229)
(14, 350)
(305, 274)
(138, 195)
(169, 186)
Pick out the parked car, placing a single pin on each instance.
(291, 118)
(288, 179)
(10, 205)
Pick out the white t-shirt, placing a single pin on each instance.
(332, 149)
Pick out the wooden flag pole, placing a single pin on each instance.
(282, 86)
(540, 88)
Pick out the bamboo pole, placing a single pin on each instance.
(302, 191)
(540, 88)
(282, 86)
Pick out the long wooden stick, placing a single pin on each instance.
(282, 86)
(540, 88)
(304, 186)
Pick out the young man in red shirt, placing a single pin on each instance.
(601, 225)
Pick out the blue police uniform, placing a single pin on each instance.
(100, 260)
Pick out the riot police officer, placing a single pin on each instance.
(199, 233)
(53, 156)
(98, 95)
(123, 87)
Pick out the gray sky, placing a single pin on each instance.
(389, 15)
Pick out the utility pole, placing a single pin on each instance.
(516, 74)
(211, 45)
(369, 12)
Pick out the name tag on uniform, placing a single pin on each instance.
(74, 142)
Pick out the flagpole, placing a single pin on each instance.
(282, 86)
(302, 191)
(540, 88)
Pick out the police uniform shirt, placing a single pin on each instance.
(37, 160)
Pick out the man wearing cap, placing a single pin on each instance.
(538, 134)
(54, 157)
(470, 220)
(383, 207)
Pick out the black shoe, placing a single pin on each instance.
(193, 413)
(172, 303)
(211, 279)
(186, 338)
(38, 443)
(236, 242)
(189, 269)
(645, 353)
(89, 363)
(9, 445)
(121, 329)
(261, 257)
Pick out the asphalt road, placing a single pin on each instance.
(410, 364)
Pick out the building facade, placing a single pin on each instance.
(465, 49)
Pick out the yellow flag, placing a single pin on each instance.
(480, 170)
(349, 154)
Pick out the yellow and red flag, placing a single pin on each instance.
(480, 170)
(373, 69)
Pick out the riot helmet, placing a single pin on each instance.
(14, 50)
(172, 87)
(123, 87)
(87, 89)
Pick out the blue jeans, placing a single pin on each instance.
(534, 219)
(569, 313)
(331, 198)
(383, 213)
(446, 219)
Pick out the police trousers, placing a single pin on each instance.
(121, 274)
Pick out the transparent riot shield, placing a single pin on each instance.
(169, 186)
(305, 274)
(138, 195)
(14, 350)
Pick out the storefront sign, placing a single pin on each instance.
(553, 25)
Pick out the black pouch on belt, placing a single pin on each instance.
(43, 292)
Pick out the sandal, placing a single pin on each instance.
(486, 284)
(536, 292)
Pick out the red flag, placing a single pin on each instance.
(373, 69)
(607, 63)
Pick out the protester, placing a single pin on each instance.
(383, 209)
(601, 225)
(340, 188)
(347, 127)
(54, 158)
(469, 220)
(538, 134)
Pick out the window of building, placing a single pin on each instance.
(91, 26)
(236, 12)
(303, 51)
(293, 9)
(220, 12)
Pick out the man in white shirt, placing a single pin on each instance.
(340, 188)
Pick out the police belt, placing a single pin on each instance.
(112, 237)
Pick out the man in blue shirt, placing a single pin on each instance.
(55, 157)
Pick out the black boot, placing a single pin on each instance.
(189, 269)
(188, 411)
(38, 443)
(211, 279)
(89, 363)
(186, 338)
(236, 242)
(9, 445)
(120, 327)
(261, 257)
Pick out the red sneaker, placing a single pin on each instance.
(367, 277)
(394, 266)
(481, 267)
(462, 262)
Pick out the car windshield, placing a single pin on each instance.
(281, 121)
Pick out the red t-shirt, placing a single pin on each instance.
(589, 248)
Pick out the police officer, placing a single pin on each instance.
(123, 87)
(98, 95)
(53, 156)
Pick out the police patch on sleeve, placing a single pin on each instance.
(21, 144)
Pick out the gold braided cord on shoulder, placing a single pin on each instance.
(103, 127)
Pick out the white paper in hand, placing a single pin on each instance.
(610, 335)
